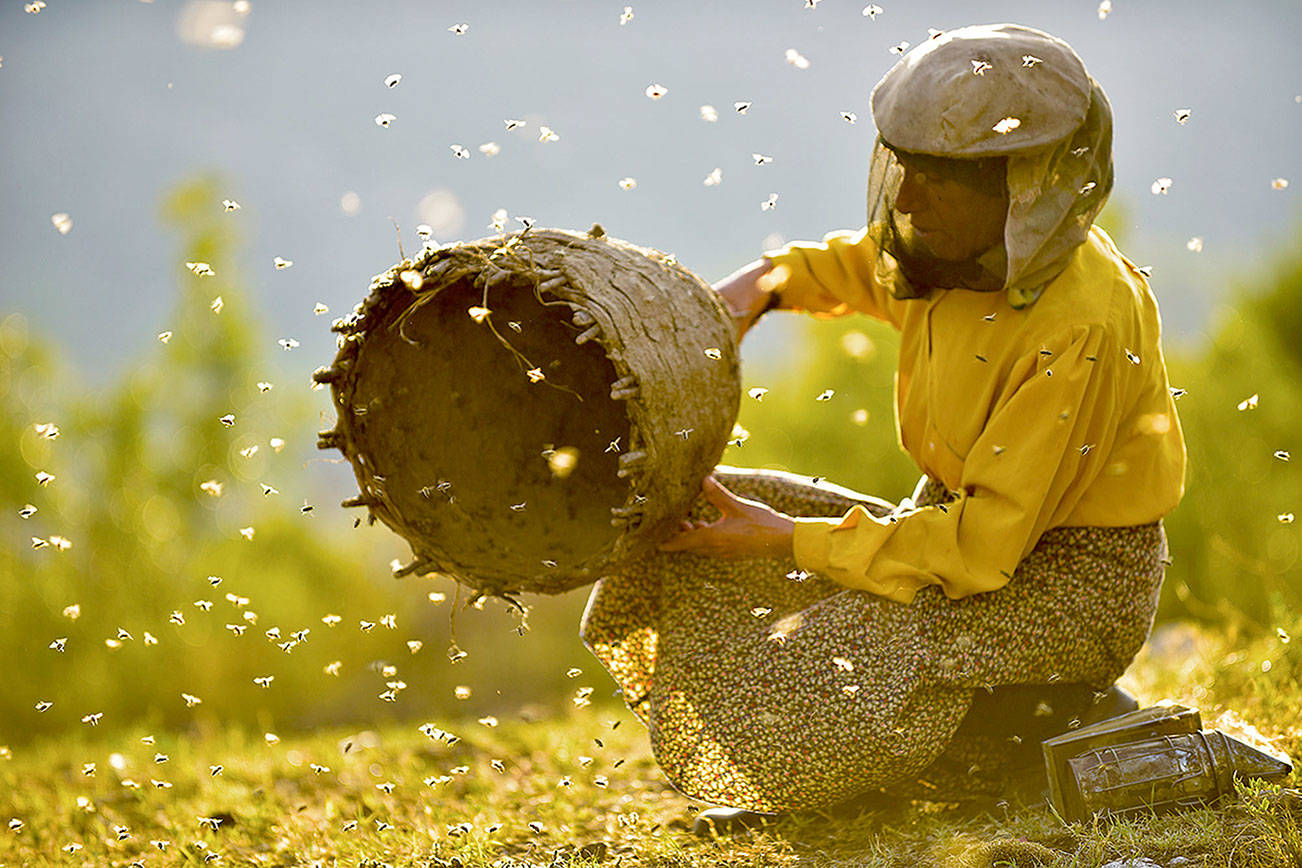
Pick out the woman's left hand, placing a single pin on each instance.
(747, 529)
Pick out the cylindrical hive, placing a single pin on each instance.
(527, 411)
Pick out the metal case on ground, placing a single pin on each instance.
(1152, 759)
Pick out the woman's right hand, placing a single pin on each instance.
(746, 294)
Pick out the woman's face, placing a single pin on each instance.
(952, 217)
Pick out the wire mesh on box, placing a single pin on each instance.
(528, 411)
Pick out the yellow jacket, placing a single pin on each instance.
(1057, 414)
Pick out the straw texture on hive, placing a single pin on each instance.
(528, 411)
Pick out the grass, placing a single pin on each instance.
(582, 788)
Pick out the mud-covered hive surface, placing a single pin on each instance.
(528, 411)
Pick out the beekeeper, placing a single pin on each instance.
(930, 644)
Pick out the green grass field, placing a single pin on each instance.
(581, 788)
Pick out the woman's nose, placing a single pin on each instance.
(910, 196)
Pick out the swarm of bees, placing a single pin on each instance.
(624, 450)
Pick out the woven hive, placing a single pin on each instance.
(529, 411)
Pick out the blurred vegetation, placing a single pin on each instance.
(150, 499)
(130, 529)
(1234, 539)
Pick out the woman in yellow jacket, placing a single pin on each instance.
(930, 644)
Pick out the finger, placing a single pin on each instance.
(678, 543)
(718, 496)
(699, 539)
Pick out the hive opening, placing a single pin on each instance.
(531, 413)
(516, 474)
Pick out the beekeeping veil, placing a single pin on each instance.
(993, 91)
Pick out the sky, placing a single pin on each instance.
(106, 105)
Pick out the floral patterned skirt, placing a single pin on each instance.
(772, 690)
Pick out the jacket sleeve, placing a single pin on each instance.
(832, 278)
(1047, 438)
